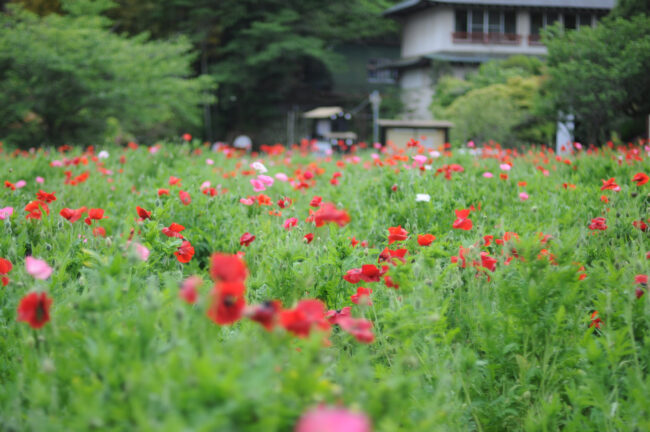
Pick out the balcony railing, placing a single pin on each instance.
(486, 38)
(535, 39)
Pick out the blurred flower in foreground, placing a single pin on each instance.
(34, 309)
(332, 419)
(37, 268)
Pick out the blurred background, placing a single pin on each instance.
(517, 72)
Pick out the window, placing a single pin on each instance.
(509, 23)
(485, 26)
(494, 22)
(378, 74)
(570, 21)
(584, 20)
(477, 21)
(536, 23)
(461, 20)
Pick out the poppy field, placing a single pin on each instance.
(178, 287)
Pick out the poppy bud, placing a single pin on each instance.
(533, 209)
(48, 247)
(634, 194)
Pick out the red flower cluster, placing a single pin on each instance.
(598, 223)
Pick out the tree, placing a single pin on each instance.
(65, 78)
(503, 101)
(264, 55)
(601, 74)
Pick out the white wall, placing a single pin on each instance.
(417, 93)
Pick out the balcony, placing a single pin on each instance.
(535, 40)
(486, 38)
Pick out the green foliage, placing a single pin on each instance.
(62, 76)
(601, 74)
(503, 101)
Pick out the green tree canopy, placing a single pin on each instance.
(502, 101)
(601, 74)
(62, 77)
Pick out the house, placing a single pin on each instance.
(456, 36)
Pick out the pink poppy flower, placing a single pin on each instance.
(40, 180)
(206, 184)
(258, 186)
(247, 201)
(209, 161)
(6, 212)
(268, 181)
(282, 177)
(488, 174)
(290, 223)
(189, 287)
(523, 196)
(332, 419)
(21, 184)
(505, 167)
(141, 251)
(37, 268)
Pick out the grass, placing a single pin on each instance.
(455, 348)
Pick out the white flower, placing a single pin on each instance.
(422, 198)
(259, 166)
(434, 153)
(103, 154)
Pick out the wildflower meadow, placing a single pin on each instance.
(183, 288)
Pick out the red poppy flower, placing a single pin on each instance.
(641, 279)
(228, 302)
(5, 268)
(246, 239)
(227, 268)
(362, 296)
(10, 185)
(48, 197)
(640, 224)
(307, 314)
(266, 313)
(396, 234)
(610, 185)
(595, 320)
(162, 192)
(388, 255)
(143, 213)
(328, 213)
(462, 222)
(99, 231)
(316, 201)
(173, 230)
(367, 273)
(94, 214)
(598, 224)
(360, 328)
(73, 215)
(187, 137)
(390, 283)
(35, 209)
(185, 252)
(309, 237)
(488, 262)
(188, 291)
(174, 181)
(185, 197)
(333, 316)
(426, 239)
(487, 240)
(640, 179)
(34, 309)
